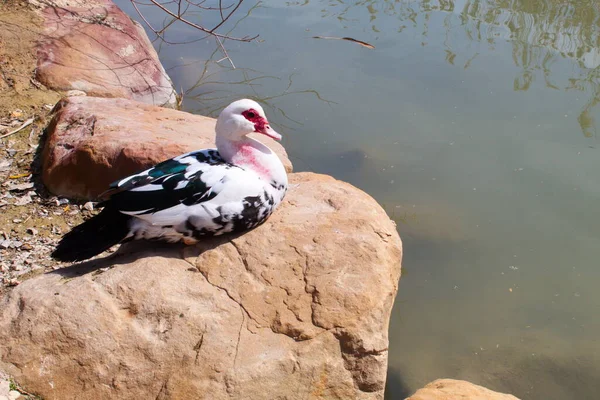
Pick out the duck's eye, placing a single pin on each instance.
(251, 114)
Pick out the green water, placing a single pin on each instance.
(475, 124)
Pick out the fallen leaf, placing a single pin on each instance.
(364, 44)
(23, 175)
(21, 186)
(23, 200)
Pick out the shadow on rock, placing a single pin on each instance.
(135, 250)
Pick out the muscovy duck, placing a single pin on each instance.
(232, 188)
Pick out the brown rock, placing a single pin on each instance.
(96, 48)
(295, 309)
(451, 389)
(92, 142)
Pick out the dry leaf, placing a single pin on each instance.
(20, 186)
(364, 44)
(19, 175)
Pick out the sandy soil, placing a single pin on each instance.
(31, 220)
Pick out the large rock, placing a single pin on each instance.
(295, 309)
(92, 142)
(94, 47)
(451, 389)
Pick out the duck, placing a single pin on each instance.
(232, 188)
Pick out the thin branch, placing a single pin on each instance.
(228, 16)
(25, 125)
(201, 28)
(143, 18)
(224, 52)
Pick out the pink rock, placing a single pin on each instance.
(92, 142)
(96, 48)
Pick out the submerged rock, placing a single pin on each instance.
(296, 308)
(95, 48)
(446, 389)
(91, 142)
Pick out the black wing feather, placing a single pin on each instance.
(151, 201)
(168, 177)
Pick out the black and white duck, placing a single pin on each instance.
(232, 188)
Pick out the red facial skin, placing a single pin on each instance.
(259, 122)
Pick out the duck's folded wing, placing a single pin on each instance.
(183, 163)
(188, 179)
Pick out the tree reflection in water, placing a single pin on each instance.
(540, 31)
(216, 78)
(215, 88)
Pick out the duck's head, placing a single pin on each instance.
(241, 118)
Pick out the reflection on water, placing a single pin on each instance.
(539, 30)
(215, 87)
(465, 123)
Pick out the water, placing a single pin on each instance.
(475, 124)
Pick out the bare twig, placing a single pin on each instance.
(364, 44)
(177, 9)
(180, 17)
(223, 20)
(224, 52)
(25, 125)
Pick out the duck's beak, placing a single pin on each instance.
(266, 129)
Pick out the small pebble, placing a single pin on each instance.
(14, 395)
(5, 244)
(76, 93)
(32, 231)
(89, 206)
(26, 246)
(17, 113)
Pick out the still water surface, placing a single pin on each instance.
(475, 124)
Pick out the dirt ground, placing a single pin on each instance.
(31, 219)
(20, 27)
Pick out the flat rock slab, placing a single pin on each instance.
(92, 142)
(296, 309)
(96, 48)
(451, 389)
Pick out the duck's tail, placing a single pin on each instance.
(94, 236)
